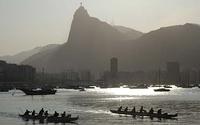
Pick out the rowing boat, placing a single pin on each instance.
(164, 116)
(153, 115)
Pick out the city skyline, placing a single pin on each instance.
(28, 24)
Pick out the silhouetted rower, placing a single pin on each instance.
(151, 111)
(159, 112)
(55, 114)
(33, 113)
(69, 116)
(120, 108)
(63, 114)
(41, 112)
(126, 109)
(27, 112)
(133, 110)
(46, 113)
(141, 109)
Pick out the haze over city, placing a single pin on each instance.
(26, 24)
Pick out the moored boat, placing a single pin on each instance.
(161, 90)
(45, 91)
(82, 89)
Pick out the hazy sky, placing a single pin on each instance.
(25, 24)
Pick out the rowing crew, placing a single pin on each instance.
(45, 113)
(151, 111)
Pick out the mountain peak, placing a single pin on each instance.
(81, 12)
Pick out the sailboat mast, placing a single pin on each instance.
(159, 76)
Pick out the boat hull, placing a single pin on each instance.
(39, 92)
(154, 115)
(52, 119)
(30, 117)
(162, 90)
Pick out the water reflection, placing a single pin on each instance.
(33, 122)
(127, 91)
(93, 105)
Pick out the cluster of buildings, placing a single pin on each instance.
(24, 75)
(16, 75)
(66, 79)
(172, 74)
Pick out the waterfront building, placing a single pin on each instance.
(16, 75)
(2, 69)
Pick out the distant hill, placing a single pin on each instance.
(18, 58)
(92, 43)
(174, 43)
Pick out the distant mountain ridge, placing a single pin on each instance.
(130, 33)
(20, 57)
(92, 43)
(174, 43)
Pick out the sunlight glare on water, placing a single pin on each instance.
(127, 91)
(93, 105)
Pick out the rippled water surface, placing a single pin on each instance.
(93, 105)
